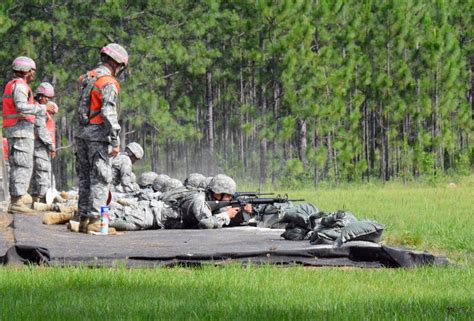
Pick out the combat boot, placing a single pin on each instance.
(50, 218)
(94, 227)
(83, 223)
(27, 199)
(17, 206)
(42, 207)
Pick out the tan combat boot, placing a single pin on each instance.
(42, 207)
(17, 206)
(94, 227)
(83, 223)
(50, 218)
(27, 199)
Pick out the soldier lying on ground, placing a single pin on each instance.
(179, 208)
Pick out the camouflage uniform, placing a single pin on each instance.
(178, 209)
(122, 173)
(41, 179)
(93, 166)
(21, 142)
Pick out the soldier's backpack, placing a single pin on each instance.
(86, 84)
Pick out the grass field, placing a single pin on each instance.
(434, 218)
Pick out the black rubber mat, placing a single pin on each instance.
(246, 245)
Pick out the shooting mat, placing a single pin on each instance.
(55, 245)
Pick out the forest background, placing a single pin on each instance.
(284, 92)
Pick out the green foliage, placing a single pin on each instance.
(383, 91)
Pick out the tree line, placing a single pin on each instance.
(266, 91)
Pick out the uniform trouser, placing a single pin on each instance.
(20, 156)
(94, 170)
(41, 179)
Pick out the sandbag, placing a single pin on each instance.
(361, 231)
(300, 215)
(294, 233)
(338, 219)
(323, 235)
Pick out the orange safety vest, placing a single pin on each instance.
(10, 114)
(5, 149)
(95, 117)
(51, 127)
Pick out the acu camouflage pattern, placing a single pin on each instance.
(41, 178)
(21, 142)
(195, 180)
(159, 181)
(20, 156)
(178, 209)
(222, 184)
(93, 166)
(94, 171)
(146, 179)
(109, 130)
(122, 174)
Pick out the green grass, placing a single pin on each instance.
(434, 218)
(233, 292)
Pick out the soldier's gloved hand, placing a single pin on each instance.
(114, 151)
(232, 211)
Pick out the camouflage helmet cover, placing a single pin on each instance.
(222, 184)
(194, 180)
(170, 185)
(116, 52)
(160, 181)
(136, 150)
(146, 179)
(45, 89)
(23, 63)
(207, 181)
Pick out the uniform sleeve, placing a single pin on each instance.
(109, 113)
(20, 99)
(204, 216)
(41, 131)
(126, 176)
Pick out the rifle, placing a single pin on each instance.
(242, 216)
(249, 194)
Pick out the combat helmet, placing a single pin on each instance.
(170, 185)
(23, 63)
(146, 179)
(160, 181)
(222, 184)
(116, 52)
(45, 89)
(136, 150)
(194, 180)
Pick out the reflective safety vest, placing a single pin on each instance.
(5, 149)
(51, 127)
(10, 114)
(95, 117)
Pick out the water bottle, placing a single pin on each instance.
(104, 219)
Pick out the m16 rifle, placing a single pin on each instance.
(243, 217)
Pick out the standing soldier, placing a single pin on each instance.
(45, 143)
(98, 129)
(19, 110)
